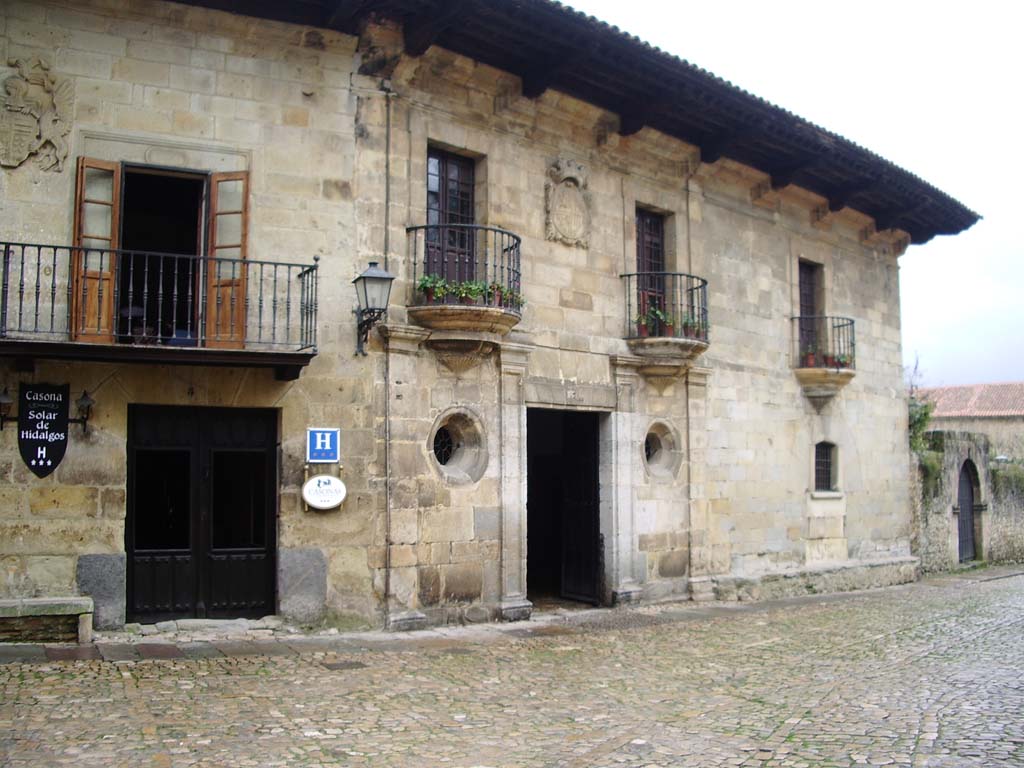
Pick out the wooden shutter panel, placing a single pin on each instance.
(94, 259)
(225, 260)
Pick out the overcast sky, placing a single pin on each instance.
(936, 88)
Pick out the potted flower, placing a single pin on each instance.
(468, 291)
(641, 325)
(843, 361)
(433, 287)
(661, 320)
(691, 329)
(809, 358)
(494, 294)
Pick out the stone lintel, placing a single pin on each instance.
(566, 394)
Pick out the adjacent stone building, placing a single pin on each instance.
(993, 410)
(643, 339)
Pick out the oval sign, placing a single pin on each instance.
(324, 492)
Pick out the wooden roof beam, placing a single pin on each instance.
(538, 78)
(637, 114)
(343, 13)
(841, 196)
(422, 31)
(783, 176)
(712, 150)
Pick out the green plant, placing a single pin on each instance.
(919, 412)
(433, 284)
(657, 315)
(843, 361)
(469, 289)
(495, 292)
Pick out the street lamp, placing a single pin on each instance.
(373, 288)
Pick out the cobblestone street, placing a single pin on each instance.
(930, 674)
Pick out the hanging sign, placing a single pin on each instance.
(322, 446)
(43, 425)
(324, 492)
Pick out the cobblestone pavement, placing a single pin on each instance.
(930, 674)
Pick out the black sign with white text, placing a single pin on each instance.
(43, 425)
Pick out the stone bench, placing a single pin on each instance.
(46, 619)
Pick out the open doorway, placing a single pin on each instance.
(162, 223)
(563, 523)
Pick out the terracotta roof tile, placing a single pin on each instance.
(976, 400)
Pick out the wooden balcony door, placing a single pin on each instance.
(225, 263)
(650, 262)
(94, 260)
(450, 252)
(182, 276)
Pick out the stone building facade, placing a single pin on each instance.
(968, 507)
(993, 410)
(654, 389)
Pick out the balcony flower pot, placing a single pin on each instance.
(668, 329)
(810, 361)
(830, 361)
(494, 294)
(433, 287)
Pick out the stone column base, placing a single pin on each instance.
(702, 589)
(516, 609)
(407, 621)
(627, 595)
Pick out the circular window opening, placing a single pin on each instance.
(444, 446)
(662, 456)
(458, 447)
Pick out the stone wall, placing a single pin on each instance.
(176, 85)
(334, 133)
(1005, 435)
(998, 502)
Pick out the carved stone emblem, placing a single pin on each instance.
(568, 203)
(35, 114)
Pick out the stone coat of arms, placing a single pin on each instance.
(35, 114)
(568, 203)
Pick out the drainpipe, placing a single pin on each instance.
(388, 94)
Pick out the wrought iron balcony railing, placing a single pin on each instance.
(116, 297)
(824, 342)
(666, 304)
(466, 264)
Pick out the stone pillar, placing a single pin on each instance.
(625, 573)
(401, 582)
(513, 606)
(701, 544)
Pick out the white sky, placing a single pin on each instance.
(935, 87)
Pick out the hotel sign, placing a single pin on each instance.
(43, 426)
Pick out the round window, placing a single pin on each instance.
(458, 446)
(662, 455)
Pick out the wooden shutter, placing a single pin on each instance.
(225, 260)
(94, 258)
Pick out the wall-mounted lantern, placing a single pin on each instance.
(373, 289)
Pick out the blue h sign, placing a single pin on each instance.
(322, 446)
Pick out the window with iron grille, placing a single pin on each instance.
(824, 467)
(450, 247)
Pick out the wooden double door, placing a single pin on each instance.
(200, 534)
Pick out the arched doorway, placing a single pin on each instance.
(965, 500)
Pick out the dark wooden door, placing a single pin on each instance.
(965, 518)
(451, 247)
(811, 322)
(650, 264)
(581, 532)
(201, 530)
